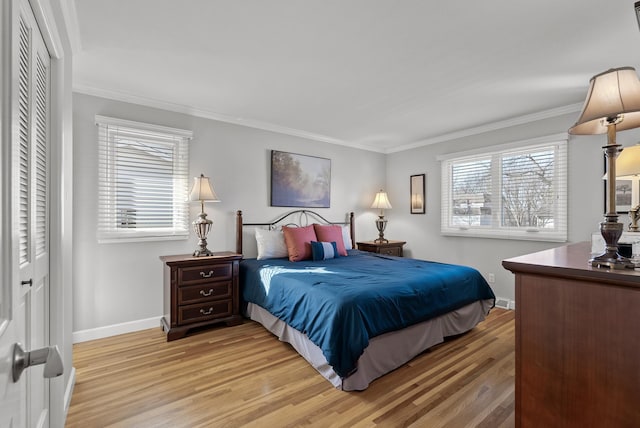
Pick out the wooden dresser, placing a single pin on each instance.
(199, 291)
(577, 341)
(390, 248)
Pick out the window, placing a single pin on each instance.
(515, 191)
(142, 181)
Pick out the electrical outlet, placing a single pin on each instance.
(492, 278)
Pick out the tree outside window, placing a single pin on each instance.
(519, 192)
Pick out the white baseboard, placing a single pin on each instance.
(115, 329)
(504, 303)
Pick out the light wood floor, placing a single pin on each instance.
(243, 376)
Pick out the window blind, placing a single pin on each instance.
(516, 191)
(142, 181)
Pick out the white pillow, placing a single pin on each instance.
(271, 244)
(346, 237)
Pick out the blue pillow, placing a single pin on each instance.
(323, 250)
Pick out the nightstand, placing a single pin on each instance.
(390, 248)
(200, 291)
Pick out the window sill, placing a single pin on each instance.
(502, 234)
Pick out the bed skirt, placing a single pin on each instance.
(385, 352)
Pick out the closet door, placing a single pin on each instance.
(24, 308)
(34, 269)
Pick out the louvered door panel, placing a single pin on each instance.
(40, 115)
(24, 89)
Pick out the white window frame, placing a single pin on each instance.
(495, 230)
(109, 229)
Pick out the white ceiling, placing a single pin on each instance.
(384, 75)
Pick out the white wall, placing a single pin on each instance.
(120, 283)
(422, 232)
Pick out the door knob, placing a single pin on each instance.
(49, 356)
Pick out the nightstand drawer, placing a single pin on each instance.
(205, 311)
(205, 292)
(391, 251)
(388, 248)
(199, 274)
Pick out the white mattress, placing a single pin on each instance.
(385, 352)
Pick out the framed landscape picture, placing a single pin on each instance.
(300, 180)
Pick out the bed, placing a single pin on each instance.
(357, 317)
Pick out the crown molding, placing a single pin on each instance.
(179, 108)
(494, 126)
(250, 123)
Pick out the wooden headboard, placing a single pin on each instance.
(297, 218)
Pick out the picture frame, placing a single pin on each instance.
(626, 188)
(417, 201)
(300, 181)
(624, 192)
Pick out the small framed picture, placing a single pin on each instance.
(624, 192)
(418, 196)
(627, 192)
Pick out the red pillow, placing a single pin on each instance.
(298, 240)
(331, 233)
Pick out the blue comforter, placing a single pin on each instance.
(342, 303)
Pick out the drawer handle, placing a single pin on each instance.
(206, 275)
(207, 312)
(206, 294)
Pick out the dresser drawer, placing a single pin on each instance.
(205, 311)
(200, 274)
(205, 292)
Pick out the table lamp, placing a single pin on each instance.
(612, 104)
(381, 202)
(202, 191)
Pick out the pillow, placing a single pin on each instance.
(270, 244)
(323, 250)
(346, 237)
(298, 240)
(331, 233)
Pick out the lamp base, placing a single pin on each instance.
(611, 231)
(381, 225)
(619, 262)
(202, 252)
(202, 226)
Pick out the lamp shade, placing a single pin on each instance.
(202, 190)
(613, 95)
(628, 162)
(381, 201)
